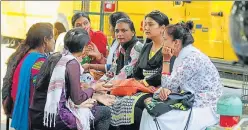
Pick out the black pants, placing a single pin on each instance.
(60, 125)
(139, 107)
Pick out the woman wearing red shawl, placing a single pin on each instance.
(96, 48)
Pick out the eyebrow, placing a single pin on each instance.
(82, 22)
(149, 22)
(121, 29)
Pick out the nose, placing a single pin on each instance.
(146, 27)
(119, 34)
(82, 26)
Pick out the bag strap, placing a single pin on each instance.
(186, 126)
(156, 122)
(187, 123)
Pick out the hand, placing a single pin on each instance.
(105, 99)
(95, 55)
(84, 85)
(94, 52)
(152, 88)
(88, 48)
(87, 28)
(167, 53)
(108, 85)
(163, 94)
(89, 103)
(86, 67)
(98, 87)
(85, 52)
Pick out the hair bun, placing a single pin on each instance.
(190, 25)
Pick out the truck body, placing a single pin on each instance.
(211, 24)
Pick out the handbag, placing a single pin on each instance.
(177, 101)
(128, 87)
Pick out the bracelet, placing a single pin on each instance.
(166, 62)
(166, 73)
(97, 67)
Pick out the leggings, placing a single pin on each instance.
(102, 118)
(139, 107)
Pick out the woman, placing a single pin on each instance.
(98, 41)
(112, 23)
(23, 66)
(193, 71)
(149, 67)
(127, 54)
(129, 110)
(59, 83)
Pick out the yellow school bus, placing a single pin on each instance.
(211, 23)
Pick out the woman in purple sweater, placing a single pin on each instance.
(60, 102)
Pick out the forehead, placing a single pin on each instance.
(122, 25)
(150, 20)
(81, 20)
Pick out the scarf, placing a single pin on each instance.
(154, 62)
(124, 55)
(20, 113)
(54, 93)
(113, 48)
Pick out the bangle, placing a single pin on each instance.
(97, 67)
(166, 62)
(165, 73)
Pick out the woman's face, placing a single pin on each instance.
(152, 29)
(175, 45)
(83, 22)
(123, 32)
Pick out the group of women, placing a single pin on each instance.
(45, 92)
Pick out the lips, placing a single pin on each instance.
(120, 39)
(147, 33)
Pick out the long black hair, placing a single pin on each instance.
(35, 38)
(114, 17)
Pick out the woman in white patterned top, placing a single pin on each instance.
(192, 71)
